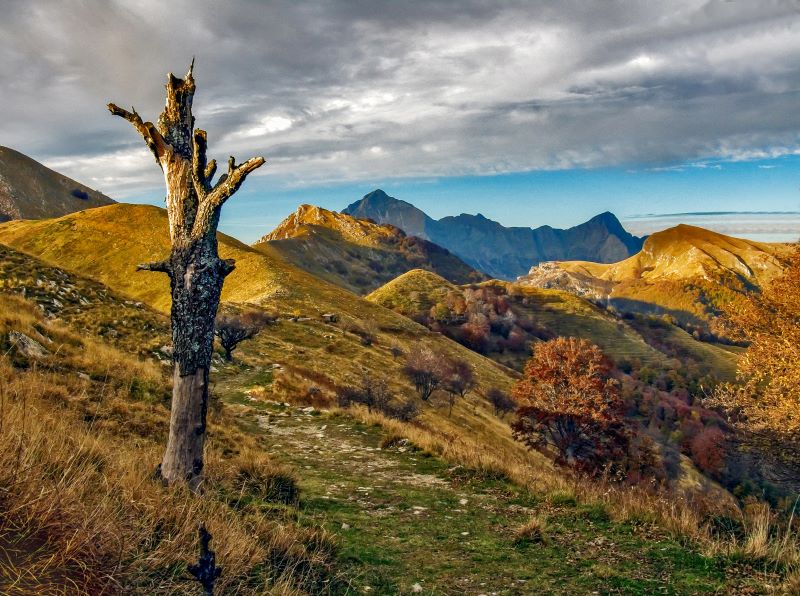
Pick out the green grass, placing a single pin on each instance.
(571, 316)
(403, 519)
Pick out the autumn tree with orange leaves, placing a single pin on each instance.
(765, 404)
(571, 409)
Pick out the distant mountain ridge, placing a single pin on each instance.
(357, 254)
(688, 272)
(30, 190)
(502, 252)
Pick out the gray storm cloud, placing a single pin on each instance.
(333, 91)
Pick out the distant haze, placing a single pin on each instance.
(759, 226)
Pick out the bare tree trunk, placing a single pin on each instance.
(195, 270)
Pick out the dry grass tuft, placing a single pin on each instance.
(532, 531)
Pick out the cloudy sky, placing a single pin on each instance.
(528, 112)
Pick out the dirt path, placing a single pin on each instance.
(410, 523)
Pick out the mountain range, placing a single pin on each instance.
(30, 190)
(357, 254)
(501, 252)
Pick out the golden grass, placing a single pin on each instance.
(80, 508)
(81, 431)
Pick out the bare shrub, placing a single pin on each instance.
(234, 328)
(501, 402)
(426, 370)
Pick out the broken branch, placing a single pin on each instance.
(199, 164)
(162, 266)
(235, 178)
(148, 132)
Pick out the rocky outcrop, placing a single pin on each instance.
(550, 276)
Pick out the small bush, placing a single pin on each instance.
(264, 479)
(532, 531)
(405, 411)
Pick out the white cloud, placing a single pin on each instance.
(491, 87)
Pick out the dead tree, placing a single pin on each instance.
(194, 268)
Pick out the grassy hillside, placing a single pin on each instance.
(83, 426)
(107, 243)
(546, 313)
(645, 340)
(568, 315)
(383, 505)
(79, 409)
(686, 251)
(29, 190)
(357, 254)
(687, 272)
(414, 292)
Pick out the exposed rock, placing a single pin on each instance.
(551, 276)
(27, 346)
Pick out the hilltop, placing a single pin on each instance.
(29, 190)
(358, 254)
(687, 272)
(413, 293)
(502, 252)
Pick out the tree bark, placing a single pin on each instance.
(195, 270)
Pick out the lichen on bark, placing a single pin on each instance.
(195, 270)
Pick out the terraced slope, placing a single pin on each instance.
(29, 190)
(568, 315)
(357, 254)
